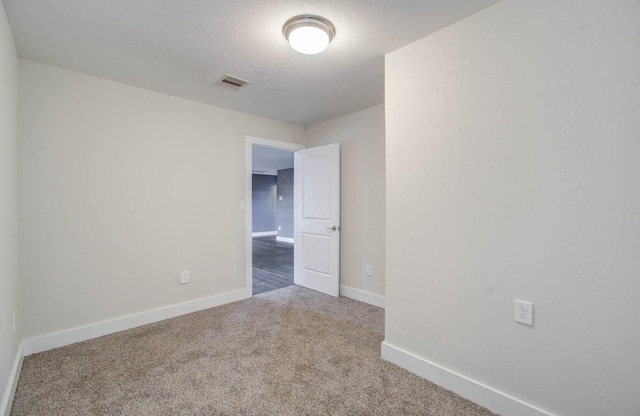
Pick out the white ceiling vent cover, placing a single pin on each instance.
(232, 83)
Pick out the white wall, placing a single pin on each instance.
(121, 189)
(513, 167)
(9, 342)
(361, 138)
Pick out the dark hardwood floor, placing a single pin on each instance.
(272, 264)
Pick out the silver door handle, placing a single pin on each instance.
(334, 228)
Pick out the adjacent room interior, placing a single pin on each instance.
(272, 218)
(489, 234)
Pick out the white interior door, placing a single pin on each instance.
(317, 218)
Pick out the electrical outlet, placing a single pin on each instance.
(13, 322)
(368, 270)
(524, 312)
(184, 277)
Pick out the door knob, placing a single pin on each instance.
(334, 228)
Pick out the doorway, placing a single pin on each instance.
(316, 212)
(269, 206)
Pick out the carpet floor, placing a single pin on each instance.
(291, 351)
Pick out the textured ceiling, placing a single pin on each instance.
(181, 47)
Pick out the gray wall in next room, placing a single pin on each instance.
(284, 207)
(263, 200)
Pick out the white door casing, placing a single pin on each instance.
(317, 218)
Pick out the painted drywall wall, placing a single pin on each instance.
(263, 202)
(284, 206)
(362, 195)
(513, 149)
(120, 191)
(9, 285)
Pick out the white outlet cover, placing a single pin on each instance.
(184, 277)
(369, 270)
(524, 312)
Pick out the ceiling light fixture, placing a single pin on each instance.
(309, 34)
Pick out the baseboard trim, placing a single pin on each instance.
(264, 234)
(83, 333)
(488, 397)
(12, 382)
(285, 239)
(362, 296)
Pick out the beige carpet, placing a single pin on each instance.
(291, 351)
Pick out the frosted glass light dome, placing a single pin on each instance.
(308, 34)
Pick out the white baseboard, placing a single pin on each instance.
(12, 383)
(492, 399)
(285, 239)
(83, 333)
(362, 296)
(264, 234)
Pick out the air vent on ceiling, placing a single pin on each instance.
(232, 83)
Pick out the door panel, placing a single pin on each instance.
(317, 218)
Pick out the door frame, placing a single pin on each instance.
(249, 142)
